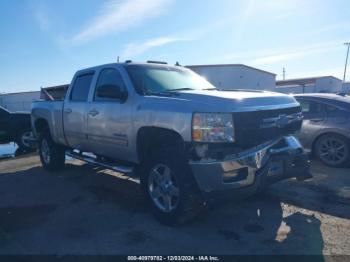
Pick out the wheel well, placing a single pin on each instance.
(40, 125)
(322, 135)
(149, 138)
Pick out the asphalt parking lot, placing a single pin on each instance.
(86, 210)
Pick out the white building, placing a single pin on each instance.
(236, 76)
(15, 102)
(322, 84)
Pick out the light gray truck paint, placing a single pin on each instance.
(114, 131)
(110, 128)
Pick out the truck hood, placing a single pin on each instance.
(237, 100)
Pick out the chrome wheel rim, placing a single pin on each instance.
(163, 188)
(26, 137)
(45, 151)
(333, 151)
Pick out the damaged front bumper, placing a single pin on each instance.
(254, 168)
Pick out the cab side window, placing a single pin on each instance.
(81, 88)
(110, 86)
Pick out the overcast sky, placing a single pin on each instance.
(44, 42)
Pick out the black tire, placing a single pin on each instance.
(333, 150)
(22, 145)
(52, 155)
(189, 202)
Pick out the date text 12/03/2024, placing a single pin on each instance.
(173, 258)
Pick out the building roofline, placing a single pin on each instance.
(230, 65)
(15, 93)
(297, 82)
(306, 78)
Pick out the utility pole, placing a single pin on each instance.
(346, 60)
(284, 73)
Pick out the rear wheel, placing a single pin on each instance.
(52, 155)
(333, 150)
(170, 188)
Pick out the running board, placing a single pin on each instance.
(94, 161)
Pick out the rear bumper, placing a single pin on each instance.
(254, 168)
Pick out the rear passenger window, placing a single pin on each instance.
(331, 109)
(317, 107)
(81, 88)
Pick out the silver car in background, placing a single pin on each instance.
(326, 127)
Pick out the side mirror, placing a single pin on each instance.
(111, 92)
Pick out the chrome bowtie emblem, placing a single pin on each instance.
(281, 120)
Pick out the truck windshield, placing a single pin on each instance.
(152, 79)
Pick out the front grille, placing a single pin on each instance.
(248, 130)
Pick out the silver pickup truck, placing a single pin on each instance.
(183, 137)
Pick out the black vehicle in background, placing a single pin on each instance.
(16, 127)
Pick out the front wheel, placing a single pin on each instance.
(52, 155)
(170, 188)
(333, 150)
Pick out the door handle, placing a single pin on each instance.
(316, 119)
(93, 112)
(68, 110)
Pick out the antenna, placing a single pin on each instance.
(346, 61)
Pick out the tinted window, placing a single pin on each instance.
(109, 77)
(81, 88)
(318, 107)
(331, 109)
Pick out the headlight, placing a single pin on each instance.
(212, 127)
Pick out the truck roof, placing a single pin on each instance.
(128, 62)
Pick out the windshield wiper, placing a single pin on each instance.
(211, 89)
(169, 92)
(179, 89)
(163, 93)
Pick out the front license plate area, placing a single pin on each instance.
(276, 168)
